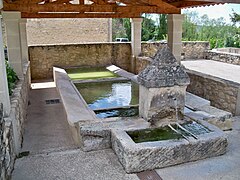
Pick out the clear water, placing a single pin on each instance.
(165, 133)
(103, 95)
(118, 113)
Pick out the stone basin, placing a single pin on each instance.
(137, 157)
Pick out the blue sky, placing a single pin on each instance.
(217, 11)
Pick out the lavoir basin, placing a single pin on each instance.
(91, 106)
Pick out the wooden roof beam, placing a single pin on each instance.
(216, 1)
(185, 4)
(162, 4)
(80, 15)
(32, 8)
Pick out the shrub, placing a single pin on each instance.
(11, 77)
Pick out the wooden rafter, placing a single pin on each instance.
(185, 4)
(80, 15)
(102, 8)
(50, 7)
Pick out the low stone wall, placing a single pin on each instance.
(194, 50)
(226, 57)
(190, 49)
(19, 104)
(229, 50)
(222, 94)
(43, 58)
(142, 63)
(6, 146)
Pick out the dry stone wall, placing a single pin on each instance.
(19, 104)
(12, 126)
(222, 94)
(44, 57)
(6, 146)
(62, 31)
(190, 49)
(226, 57)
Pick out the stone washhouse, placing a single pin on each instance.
(169, 87)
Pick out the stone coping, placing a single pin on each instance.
(210, 76)
(223, 52)
(218, 79)
(75, 106)
(74, 44)
(136, 157)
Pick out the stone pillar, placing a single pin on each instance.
(175, 34)
(12, 19)
(4, 96)
(136, 29)
(162, 89)
(23, 38)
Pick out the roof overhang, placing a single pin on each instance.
(102, 8)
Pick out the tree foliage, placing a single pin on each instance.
(195, 28)
(11, 77)
(235, 17)
(216, 31)
(151, 30)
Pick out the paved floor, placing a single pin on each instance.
(46, 128)
(214, 68)
(53, 154)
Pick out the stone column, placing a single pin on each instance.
(12, 19)
(136, 39)
(136, 29)
(4, 96)
(23, 37)
(175, 34)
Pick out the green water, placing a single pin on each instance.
(157, 134)
(166, 133)
(90, 73)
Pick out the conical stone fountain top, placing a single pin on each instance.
(164, 71)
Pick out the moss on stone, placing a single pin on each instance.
(90, 73)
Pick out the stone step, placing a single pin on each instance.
(194, 101)
(213, 115)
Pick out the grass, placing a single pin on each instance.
(90, 73)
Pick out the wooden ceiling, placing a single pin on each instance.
(102, 8)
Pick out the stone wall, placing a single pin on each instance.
(19, 104)
(43, 58)
(6, 146)
(230, 58)
(62, 31)
(194, 50)
(222, 94)
(229, 50)
(190, 49)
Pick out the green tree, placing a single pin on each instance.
(148, 28)
(235, 17)
(162, 27)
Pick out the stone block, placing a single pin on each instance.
(136, 157)
(97, 135)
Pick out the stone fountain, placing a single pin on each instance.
(162, 99)
(162, 89)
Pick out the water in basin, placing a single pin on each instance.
(107, 95)
(166, 133)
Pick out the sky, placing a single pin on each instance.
(217, 11)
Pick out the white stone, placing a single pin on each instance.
(4, 96)
(12, 19)
(136, 28)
